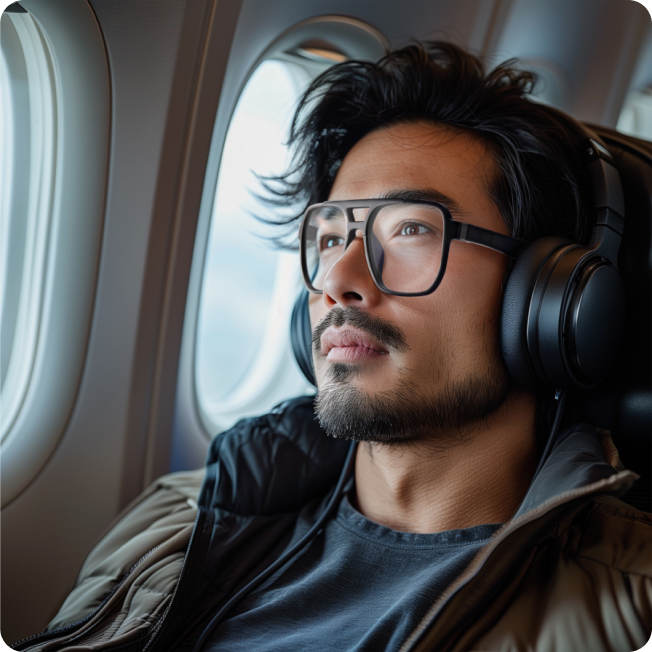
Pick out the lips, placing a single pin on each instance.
(349, 344)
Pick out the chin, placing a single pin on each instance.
(369, 379)
(353, 404)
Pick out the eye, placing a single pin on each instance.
(414, 229)
(330, 241)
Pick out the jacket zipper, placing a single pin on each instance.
(185, 568)
(45, 636)
(191, 563)
(513, 527)
(183, 577)
(68, 629)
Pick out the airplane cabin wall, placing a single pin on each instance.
(156, 53)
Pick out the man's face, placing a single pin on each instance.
(393, 368)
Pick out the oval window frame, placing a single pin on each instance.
(82, 123)
(354, 39)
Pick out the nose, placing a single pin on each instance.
(349, 282)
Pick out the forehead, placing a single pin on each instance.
(422, 156)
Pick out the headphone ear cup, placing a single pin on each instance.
(595, 321)
(301, 336)
(517, 299)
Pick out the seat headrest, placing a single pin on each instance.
(623, 402)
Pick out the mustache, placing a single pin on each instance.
(383, 331)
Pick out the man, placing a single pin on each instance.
(452, 525)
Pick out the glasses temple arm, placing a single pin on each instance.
(505, 244)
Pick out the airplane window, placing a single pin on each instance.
(243, 359)
(636, 115)
(27, 131)
(8, 314)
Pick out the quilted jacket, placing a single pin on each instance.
(570, 572)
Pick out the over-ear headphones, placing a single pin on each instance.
(301, 336)
(563, 306)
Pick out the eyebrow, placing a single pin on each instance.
(426, 194)
(331, 213)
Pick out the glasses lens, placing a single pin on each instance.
(406, 246)
(324, 237)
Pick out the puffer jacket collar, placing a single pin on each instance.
(576, 461)
(272, 464)
(280, 461)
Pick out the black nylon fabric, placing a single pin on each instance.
(274, 463)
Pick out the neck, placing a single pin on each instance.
(413, 488)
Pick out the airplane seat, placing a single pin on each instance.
(623, 402)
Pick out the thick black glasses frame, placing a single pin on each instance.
(453, 230)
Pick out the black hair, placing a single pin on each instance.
(541, 186)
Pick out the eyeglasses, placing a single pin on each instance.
(406, 243)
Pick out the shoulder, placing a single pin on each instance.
(161, 518)
(587, 585)
(617, 536)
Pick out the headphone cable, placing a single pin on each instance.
(219, 616)
(560, 397)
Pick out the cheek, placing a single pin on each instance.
(473, 280)
(457, 324)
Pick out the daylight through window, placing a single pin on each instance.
(243, 362)
(27, 134)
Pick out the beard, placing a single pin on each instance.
(406, 413)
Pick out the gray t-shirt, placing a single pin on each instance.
(357, 586)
